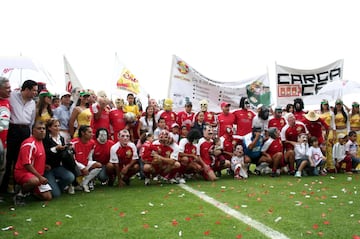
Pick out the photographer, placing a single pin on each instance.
(60, 164)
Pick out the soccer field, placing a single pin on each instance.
(310, 207)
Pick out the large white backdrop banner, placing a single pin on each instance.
(187, 84)
(296, 83)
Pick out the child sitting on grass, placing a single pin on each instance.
(301, 148)
(238, 164)
(316, 158)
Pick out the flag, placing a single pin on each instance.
(125, 79)
(71, 80)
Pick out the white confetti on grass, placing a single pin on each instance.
(68, 216)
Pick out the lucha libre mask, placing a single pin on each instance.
(204, 105)
(264, 113)
(102, 137)
(168, 104)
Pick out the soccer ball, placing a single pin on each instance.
(130, 117)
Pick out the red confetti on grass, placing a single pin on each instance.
(207, 233)
(238, 236)
(315, 226)
(174, 222)
(218, 222)
(115, 209)
(122, 214)
(187, 218)
(58, 223)
(237, 207)
(326, 222)
(355, 237)
(125, 229)
(146, 226)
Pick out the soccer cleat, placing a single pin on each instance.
(86, 188)
(71, 189)
(147, 181)
(19, 200)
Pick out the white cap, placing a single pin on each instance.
(174, 125)
(63, 93)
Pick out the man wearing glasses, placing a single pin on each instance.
(123, 160)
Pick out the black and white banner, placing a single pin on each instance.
(296, 83)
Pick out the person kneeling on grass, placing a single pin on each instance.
(84, 149)
(123, 162)
(30, 167)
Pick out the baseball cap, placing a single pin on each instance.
(84, 93)
(224, 104)
(188, 103)
(44, 93)
(62, 94)
(174, 125)
(341, 136)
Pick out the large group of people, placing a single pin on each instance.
(54, 144)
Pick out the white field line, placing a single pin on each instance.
(267, 231)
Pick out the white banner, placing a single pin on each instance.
(295, 83)
(187, 84)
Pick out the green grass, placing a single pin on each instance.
(308, 209)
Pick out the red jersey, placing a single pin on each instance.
(4, 120)
(315, 128)
(186, 147)
(243, 121)
(162, 150)
(117, 121)
(145, 151)
(300, 115)
(277, 122)
(227, 145)
(223, 120)
(184, 118)
(31, 152)
(103, 121)
(102, 151)
(82, 151)
(203, 148)
(169, 116)
(272, 146)
(291, 133)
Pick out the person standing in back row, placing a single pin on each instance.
(22, 108)
(5, 91)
